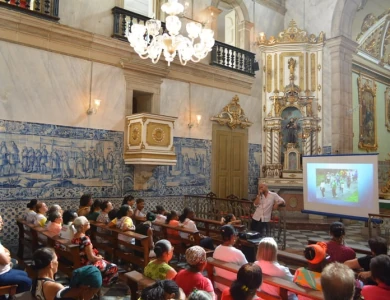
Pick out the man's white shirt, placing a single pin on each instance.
(264, 208)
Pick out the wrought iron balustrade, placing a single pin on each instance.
(45, 9)
(233, 58)
(124, 19)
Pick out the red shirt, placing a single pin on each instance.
(339, 253)
(226, 296)
(373, 292)
(189, 281)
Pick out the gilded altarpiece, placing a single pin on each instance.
(292, 102)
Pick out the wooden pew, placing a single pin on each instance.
(27, 238)
(64, 250)
(137, 281)
(357, 249)
(294, 261)
(9, 290)
(108, 237)
(283, 285)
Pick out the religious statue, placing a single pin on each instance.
(291, 131)
(291, 65)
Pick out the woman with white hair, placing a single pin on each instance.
(267, 253)
(89, 255)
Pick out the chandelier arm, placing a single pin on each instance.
(155, 61)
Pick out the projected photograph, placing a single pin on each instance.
(334, 184)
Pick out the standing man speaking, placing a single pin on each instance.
(264, 203)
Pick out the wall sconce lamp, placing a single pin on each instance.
(93, 109)
(191, 124)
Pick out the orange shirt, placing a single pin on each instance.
(174, 234)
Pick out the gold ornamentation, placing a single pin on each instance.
(319, 107)
(269, 73)
(264, 89)
(313, 75)
(292, 34)
(281, 64)
(158, 134)
(134, 138)
(387, 108)
(276, 70)
(367, 114)
(386, 188)
(233, 115)
(264, 108)
(144, 119)
(319, 129)
(264, 68)
(292, 175)
(142, 145)
(319, 150)
(319, 67)
(319, 87)
(291, 66)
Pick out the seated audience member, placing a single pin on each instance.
(267, 253)
(378, 246)
(311, 277)
(129, 200)
(160, 216)
(192, 277)
(29, 215)
(67, 229)
(138, 213)
(187, 222)
(162, 290)
(338, 282)
(145, 228)
(9, 276)
(124, 222)
(249, 279)
(85, 281)
(105, 207)
(55, 222)
(199, 295)
(228, 253)
(159, 268)
(89, 255)
(173, 220)
(337, 251)
(85, 205)
(53, 208)
(95, 210)
(40, 218)
(112, 216)
(380, 272)
(230, 219)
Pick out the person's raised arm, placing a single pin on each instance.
(353, 264)
(257, 200)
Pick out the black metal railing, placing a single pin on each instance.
(233, 58)
(124, 19)
(45, 9)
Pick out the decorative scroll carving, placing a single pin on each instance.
(292, 34)
(367, 115)
(269, 73)
(313, 73)
(232, 115)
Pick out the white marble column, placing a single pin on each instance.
(268, 157)
(341, 50)
(275, 146)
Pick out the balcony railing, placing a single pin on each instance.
(233, 58)
(222, 55)
(45, 9)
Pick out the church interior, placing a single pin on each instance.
(229, 94)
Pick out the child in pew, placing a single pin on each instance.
(40, 218)
(138, 213)
(67, 229)
(249, 279)
(95, 210)
(230, 219)
(173, 220)
(159, 269)
(311, 277)
(187, 222)
(85, 205)
(8, 275)
(380, 272)
(192, 278)
(145, 228)
(86, 281)
(55, 224)
(129, 200)
(267, 254)
(29, 216)
(89, 255)
(162, 290)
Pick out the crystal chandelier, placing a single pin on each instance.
(149, 43)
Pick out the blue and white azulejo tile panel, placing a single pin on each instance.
(253, 168)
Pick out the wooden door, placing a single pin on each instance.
(230, 162)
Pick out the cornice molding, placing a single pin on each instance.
(29, 31)
(273, 5)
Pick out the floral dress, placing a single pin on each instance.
(109, 270)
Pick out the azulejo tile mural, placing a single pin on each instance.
(253, 169)
(49, 161)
